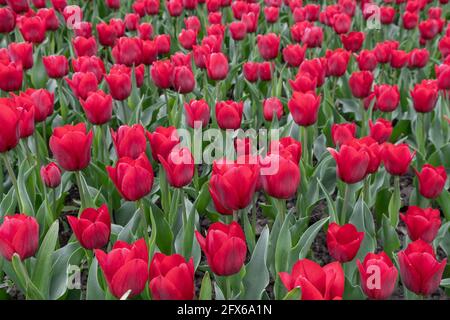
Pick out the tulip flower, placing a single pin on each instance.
(396, 158)
(342, 133)
(187, 38)
(268, 45)
(161, 72)
(353, 41)
(129, 141)
(125, 267)
(378, 276)
(288, 147)
(90, 64)
(238, 30)
(294, 54)
(418, 58)
(272, 106)
(431, 180)
(98, 107)
(361, 83)
(71, 146)
(343, 242)
(131, 21)
(51, 175)
(316, 282)
(25, 105)
(84, 46)
(145, 31)
(43, 102)
(32, 29)
(179, 167)
(113, 4)
(224, 247)
(9, 130)
(232, 185)
(421, 273)
(283, 180)
(443, 76)
(82, 29)
(19, 234)
(171, 277)
(197, 111)
(387, 97)
(410, 20)
(132, 178)
(316, 68)
(82, 84)
(337, 62)
(183, 79)
(304, 108)
(127, 51)
(56, 66)
(107, 34)
(7, 20)
(11, 76)
(21, 53)
(303, 83)
(119, 83)
(399, 58)
(251, 71)
(162, 141)
(367, 61)
(163, 43)
(229, 114)
(425, 96)
(421, 223)
(93, 228)
(381, 130)
(352, 162)
(217, 66)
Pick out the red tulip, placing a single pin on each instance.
(352, 162)
(283, 179)
(82, 84)
(268, 45)
(71, 146)
(304, 108)
(353, 41)
(342, 23)
(224, 247)
(312, 37)
(387, 97)
(129, 141)
(132, 178)
(19, 234)
(10, 129)
(193, 23)
(119, 82)
(361, 83)
(272, 106)
(396, 158)
(294, 54)
(316, 282)
(51, 175)
(303, 83)
(431, 181)
(93, 228)
(343, 242)
(32, 29)
(163, 43)
(107, 34)
(287, 147)
(85, 46)
(217, 66)
(265, 71)
(425, 96)
(443, 76)
(183, 79)
(131, 21)
(59, 5)
(381, 130)
(342, 133)
(367, 60)
(25, 105)
(383, 51)
(387, 14)
(418, 58)
(11, 76)
(271, 14)
(179, 167)
(125, 267)
(429, 28)
(174, 7)
(197, 112)
(410, 20)
(337, 62)
(56, 66)
(161, 72)
(127, 51)
(21, 53)
(378, 276)
(171, 277)
(7, 20)
(420, 271)
(162, 141)
(399, 58)
(82, 29)
(251, 71)
(316, 68)
(229, 114)
(232, 185)
(90, 64)
(187, 38)
(421, 223)
(113, 4)
(238, 30)
(98, 107)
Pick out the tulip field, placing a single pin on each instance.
(224, 149)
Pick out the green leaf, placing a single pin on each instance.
(206, 288)
(389, 237)
(308, 237)
(93, 289)
(256, 277)
(330, 203)
(294, 294)
(31, 291)
(445, 283)
(41, 274)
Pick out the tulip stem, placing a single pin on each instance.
(304, 133)
(13, 179)
(236, 215)
(345, 205)
(55, 215)
(80, 191)
(140, 204)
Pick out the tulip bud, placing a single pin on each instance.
(162, 141)
(32, 29)
(19, 234)
(51, 175)
(10, 128)
(224, 247)
(378, 276)
(316, 282)
(283, 180)
(119, 82)
(294, 54)
(71, 146)
(197, 111)
(98, 107)
(179, 167)
(229, 114)
(421, 223)
(171, 277)
(387, 97)
(361, 83)
(84, 46)
(93, 228)
(304, 108)
(272, 106)
(161, 73)
(183, 80)
(125, 267)
(431, 181)
(82, 83)
(343, 133)
(396, 158)
(11, 76)
(421, 273)
(352, 162)
(21, 53)
(425, 96)
(238, 30)
(343, 242)
(217, 66)
(381, 130)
